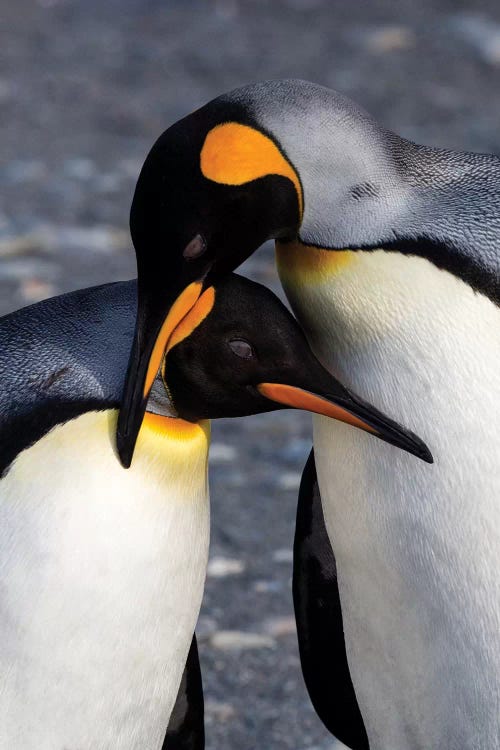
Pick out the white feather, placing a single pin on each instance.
(417, 546)
(102, 573)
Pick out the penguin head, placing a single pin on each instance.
(239, 351)
(214, 187)
(278, 159)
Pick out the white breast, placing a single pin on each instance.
(417, 546)
(102, 573)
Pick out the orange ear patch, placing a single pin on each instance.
(192, 320)
(234, 154)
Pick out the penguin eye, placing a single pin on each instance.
(241, 348)
(195, 248)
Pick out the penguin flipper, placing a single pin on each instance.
(186, 727)
(60, 358)
(319, 619)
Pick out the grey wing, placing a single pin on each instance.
(60, 358)
(319, 619)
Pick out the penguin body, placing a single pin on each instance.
(102, 568)
(417, 552)
(108, 588)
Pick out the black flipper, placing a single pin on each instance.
(61, 358)
(186, 727)
(319, 619)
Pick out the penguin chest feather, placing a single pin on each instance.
(102, 573)
(417, 546)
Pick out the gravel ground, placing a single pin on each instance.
(85, 87)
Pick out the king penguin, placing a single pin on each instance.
(389, 253)
(102, 568)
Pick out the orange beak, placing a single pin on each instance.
(346, 407)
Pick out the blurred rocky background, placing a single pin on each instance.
(85, 88)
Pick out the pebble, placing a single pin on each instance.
(19, 245)
(108, 183)
(283, 555)
(297, 449)
(17, 269)
(5, 88)
(305, 4)
(289, 480)
(130, 167)
(205, 627)
(280, 626)
(220, 567)
(238, 640)
(23, 170)
(99, 239)
(34, 290)
(80, 168)
(219, 710)
(482, 33)
(226, 9)
(52, 238)
(267, 587)
(390, 39)
(222, 453)
(236, 479)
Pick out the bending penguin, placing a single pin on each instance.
(103, 569)
(389, 254)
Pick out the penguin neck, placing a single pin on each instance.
(453, 214)
(390, 193)
(388, 309)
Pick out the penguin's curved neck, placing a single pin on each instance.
(437, 204)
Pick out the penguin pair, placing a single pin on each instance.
(389, 254)
(103, 569)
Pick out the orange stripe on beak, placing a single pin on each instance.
(192, 320)
(181, 307)
(300, 399)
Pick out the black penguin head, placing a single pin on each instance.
(239, 351)
(203, 185)
(213, 188)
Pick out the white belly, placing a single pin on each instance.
(417, 546)
(102, 573)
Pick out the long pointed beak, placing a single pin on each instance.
(349, 408)
(151, 339)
